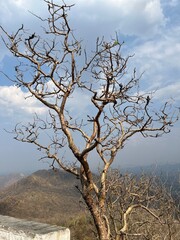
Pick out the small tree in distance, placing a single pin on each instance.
(58, 68)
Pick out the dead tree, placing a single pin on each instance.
(54, 68)
(141, 207)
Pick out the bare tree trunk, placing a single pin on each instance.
(99, 220)
(121, 237)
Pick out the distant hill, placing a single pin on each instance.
(51, 197)
(8, 180)
(168, 173)
(167, 168)
(45, 196)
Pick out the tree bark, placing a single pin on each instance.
(99, 220)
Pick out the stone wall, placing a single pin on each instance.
(18, 229)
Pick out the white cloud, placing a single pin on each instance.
(173, 3)
(14, 101)
(14, 13)
(9, 10)
(170, 91)
(165, 47)
(90, 19)
(79, 103)
(159, 58)
(20, 3)
(140, 17)
(10, 6)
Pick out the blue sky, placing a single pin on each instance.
(151, 31)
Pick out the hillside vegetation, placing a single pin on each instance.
(45, 196)
(51, 196)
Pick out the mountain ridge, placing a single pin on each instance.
(50, 196)
(45, 196)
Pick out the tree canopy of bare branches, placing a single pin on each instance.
(54, 68)
(141, 207)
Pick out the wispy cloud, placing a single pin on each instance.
(170, 91)
(140, 18)
(159, 58)
(173, 3)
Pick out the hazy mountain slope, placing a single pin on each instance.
(8, 180)
(51, 197)
(45, 196)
